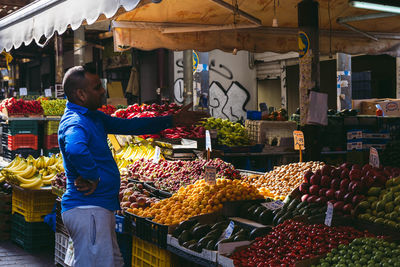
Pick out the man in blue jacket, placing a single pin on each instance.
(93, 178)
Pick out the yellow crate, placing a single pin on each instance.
(145, 254)
(34, 205)
(51, 127)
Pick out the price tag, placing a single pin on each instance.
(69, 255)
(210, 174)
(47, 92)
(229, 230)
(156, 157)
(273, 205)
(23, 91)
(298, 140)
(208, 140)
(329, 214)
(373, 157)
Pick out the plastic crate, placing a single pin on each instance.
(125, 247)
(51, 127)
(18, 141)
(155, 233)
(254, 115)
(50, 152)
(50, 141)
(21, 127)
(31, 236)
(34, 205)
(60, 249)
(145, 254)
(24, 152)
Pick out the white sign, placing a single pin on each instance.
(47, 92)
(210, 174)
(69, 255)
(229, 230)
(208, 140)
(373, 157)
(329, 214)
(156, 157)
(23, 91)
(273, 205)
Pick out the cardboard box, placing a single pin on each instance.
(114, 90)
(390, 108)
(356, 145)
(117, 101)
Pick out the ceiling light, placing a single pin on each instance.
(391, 6)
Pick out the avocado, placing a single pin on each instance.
(188, 243)
(257, 232)
(220, 225)
(211, 245)
(258, 211)
(284, 218)
(185, 225)
(204, 241)
(301, 205)
(222, 241)
(238, 238)
(195, 247)
(265, 217)
(244, 208)
(215, 233)
(250, 211)
(184, 237)
(293, 204)
(201, 231)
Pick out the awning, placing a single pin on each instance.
(44, 17)
(210, 24)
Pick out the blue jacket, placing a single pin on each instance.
(82, 136)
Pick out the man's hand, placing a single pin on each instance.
(85, 185)
(188, 118)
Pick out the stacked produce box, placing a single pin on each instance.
(50, 141)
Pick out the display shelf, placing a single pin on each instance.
(191, 258)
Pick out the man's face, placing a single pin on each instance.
(94, 91)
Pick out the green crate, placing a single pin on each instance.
(51, 127)
(21, 127)
(31, 236)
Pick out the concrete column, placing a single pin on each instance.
(58, 47)
(187, 76)
(79, 46)
(283, 85)
(343, 68)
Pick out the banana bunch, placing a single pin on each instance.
(32, 173)
(133, 152)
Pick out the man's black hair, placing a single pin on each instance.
(74, 79)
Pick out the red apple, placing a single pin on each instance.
(304, 197)
(338, 206)
(312, 199)
(367, 181)
(326, 170)
(132, 198)
(307, 176)
(347, 208)
(318, 172)
(315, 179)
(356, 167)
(134, 205)
(344, 174)
(345, 165)
(304, 187)
(335, 173)
(357, 199)
(330, 194)
(380, 179)
(339, 195)
(322, 192)
(344, 184)
(321, 200)
(335, 184)
(314, 190)
(355, 174)
(348, 198)
(357, 187)
(325, 181)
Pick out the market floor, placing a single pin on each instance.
(13, 255)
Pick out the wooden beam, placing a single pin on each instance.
(206, 28)
(105, 35)
(18, 3)
(240, 12)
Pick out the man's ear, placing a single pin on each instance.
(81, 95)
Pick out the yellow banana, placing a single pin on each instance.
(15, 162)
(23, 180)
(52, 160)
(35, 184)
(49, 176)
(27, 173)
(2, 178)
(20, 167)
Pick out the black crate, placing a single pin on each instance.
(31, 236)
(21, 127)
(137, 224)
(24, 152)
(155, 233)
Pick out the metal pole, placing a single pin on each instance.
(58, 47)
(343, 68)
(79, 46)
(187, 77)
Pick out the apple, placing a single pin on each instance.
(357, 187)
(325, 181)
(322, 192)
(344, 184)
(321, 200)
(365, 169)
(345, 165)
(344, 174)
(315, 179)
(356, 167)
(314, 190)
(134, 205)
(326, 170)
(348, 198)
(312, 199)
(335, 184)
(132, 198)
(339, 195)
(332, 201)
(347, 208)
(355, 174)
(141, 201)
(338, 206)
(318, 172)
(330, 194)
(304, 197)
(367, 181)
(304, 187)
(357, 199)
(380, 179)
(335, 173)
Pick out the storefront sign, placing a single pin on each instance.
(304, 44)
(373, 157)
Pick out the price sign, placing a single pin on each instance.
(329, 214)
(47, 92)
(229, 230)
(69, 255)
(208, 140)
(274, 205)
(157, 153)
(373, 157)
(210, 174)
(23, 91)
(298, 140)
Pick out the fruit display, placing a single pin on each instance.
(198, 236)
(60, 181)
(389, 155)
(184, 132)
(133, 152)
(280, 115)
(145, 110)
(282, 180)
(21, 106)
(107, 109)
(54, 107)
(229, 133)
(133, 195)
(293, 241)
(382, 205)
(365, 251)
(32, 173)
(344, 186)
(172, 175)
(257, 212)
(198, 198)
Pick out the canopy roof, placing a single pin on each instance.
(204, 25)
